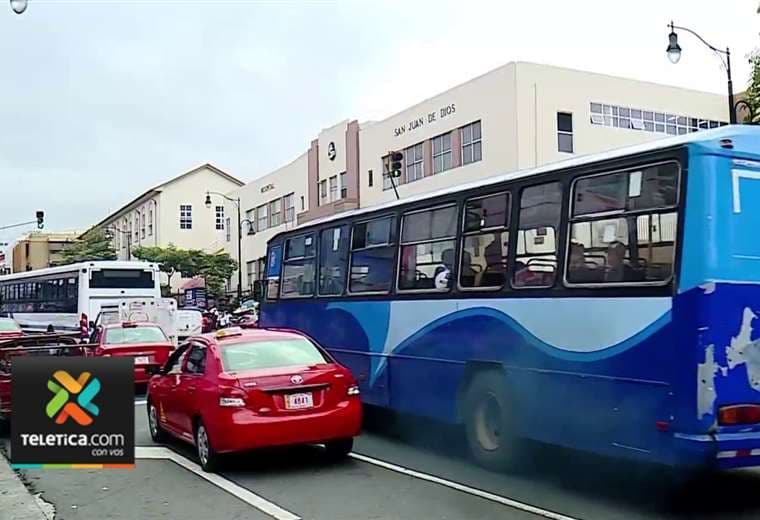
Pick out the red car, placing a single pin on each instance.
(145, 342)
(9, 329)
(238, 390)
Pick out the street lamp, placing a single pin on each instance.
(19, 6)
(674, 54)
(241, 221)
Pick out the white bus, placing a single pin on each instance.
(59, 296)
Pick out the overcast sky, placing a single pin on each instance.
(102, 99)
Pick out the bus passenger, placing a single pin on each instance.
(577, 270)
(617, 270)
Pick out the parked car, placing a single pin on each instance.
(9, 328)
(144, 341)
(237, 390)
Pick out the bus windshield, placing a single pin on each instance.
(128, 335)
(121, 279)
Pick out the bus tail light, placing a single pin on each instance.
(739, 414)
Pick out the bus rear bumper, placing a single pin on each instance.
(721, 450)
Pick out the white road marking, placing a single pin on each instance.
(463, 488)
(247, 496)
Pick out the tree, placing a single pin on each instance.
(170, 259)
(216, 268)
(93, 245)
(752, 95)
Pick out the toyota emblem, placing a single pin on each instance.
(296, 379)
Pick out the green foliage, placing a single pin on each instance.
(215, 268)
(94, 245)
(752, 95)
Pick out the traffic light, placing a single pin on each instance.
(40, 219)
(395, 163)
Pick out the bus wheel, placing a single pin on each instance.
(486, 413)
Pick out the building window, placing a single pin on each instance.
(290, 207)
(142, 225)
(471, 143)
(648, 120)
(186, 216)
(442, 153)
(250, 216)
(323, 192)
(333, 188)
(136, 227)
(250, 272)
(275, 212)
(219, 218)
(303, 203)
(262, 218)
(369, 178)
(413, 160)
(150, 222)
(228, 227)
(565, 132)
(343, 186)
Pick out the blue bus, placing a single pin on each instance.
(608, 303)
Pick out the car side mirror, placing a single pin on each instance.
(153, 370)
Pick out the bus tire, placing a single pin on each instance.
(487, 413)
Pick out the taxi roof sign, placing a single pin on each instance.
(228, 332)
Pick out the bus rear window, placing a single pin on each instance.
(121, 279)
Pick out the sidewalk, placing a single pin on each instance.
(16, 503)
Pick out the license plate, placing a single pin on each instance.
(142, 360)
(297, 401)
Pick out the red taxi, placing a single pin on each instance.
(238, 390)
(145, 342)
(9, 329)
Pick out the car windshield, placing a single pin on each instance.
(124, 336)
(270, 354)
(9, 326)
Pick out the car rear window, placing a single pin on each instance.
(9, 326)
(270, 354)
(123, 336)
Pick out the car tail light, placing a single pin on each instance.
(231, 398)
(739, 414)
(353, 390)
(231, 402)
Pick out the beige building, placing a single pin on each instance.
(39, 250)
(518, 116)
(174, 213)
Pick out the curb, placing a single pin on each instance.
(15, 497)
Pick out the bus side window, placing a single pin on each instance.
(637, 243)
(272, 269)
(536, 258)
(333, 258)
(483, 263)
(428, 249)
(372, 253)
(298, 267)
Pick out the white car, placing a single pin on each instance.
(189, 322)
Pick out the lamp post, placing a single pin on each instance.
(241, 221)
(674, 54)
(19, 6)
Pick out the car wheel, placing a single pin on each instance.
(156, 432)
(487, 413)
(339, 449)
(208, 458)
